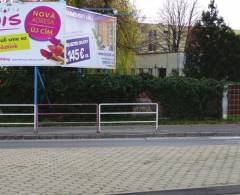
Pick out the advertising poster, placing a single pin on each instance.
(90, 40)
(32, 34)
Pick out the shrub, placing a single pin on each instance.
(179, 96)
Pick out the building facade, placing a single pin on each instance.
(160, 64)
(153, 54)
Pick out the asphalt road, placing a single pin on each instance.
(146, 142)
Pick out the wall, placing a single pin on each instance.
(154, 61)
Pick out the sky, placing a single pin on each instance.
(229, 9)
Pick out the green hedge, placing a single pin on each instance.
(179, 97)
(188, 98)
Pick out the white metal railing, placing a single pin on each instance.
(100, 113)
(17, 114)
(66, 113)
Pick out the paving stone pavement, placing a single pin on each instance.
(117, 170)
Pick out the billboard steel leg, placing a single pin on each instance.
(35, 99)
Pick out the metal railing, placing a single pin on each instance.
(98, 113)
(67, 113)
(155, 113)
(18, 114)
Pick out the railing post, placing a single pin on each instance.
(35, 118)
(156, 117)
(99, 119)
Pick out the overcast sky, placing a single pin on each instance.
(229, 9)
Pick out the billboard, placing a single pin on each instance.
(31, 34)
(51, 34)
(90, 39)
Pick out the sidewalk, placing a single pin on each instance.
(120, 170)
(120, 131)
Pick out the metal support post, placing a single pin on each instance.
(35, 99)
(99, 118)
(43, 86)
(156, 117)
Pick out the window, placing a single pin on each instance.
(152, 34)
(150, 71)
(162, 72)
(152, 47)
(165, 31)
(155, 34)
(140, 70)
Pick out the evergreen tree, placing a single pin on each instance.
(213, 49)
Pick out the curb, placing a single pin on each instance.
(219, 190)
(110, 135)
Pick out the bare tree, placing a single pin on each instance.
(176, 19)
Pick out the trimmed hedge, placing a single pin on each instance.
(187, 97)
(179, 97)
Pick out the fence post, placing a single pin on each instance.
(99, 119)
(156, 117)
(225, 103)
